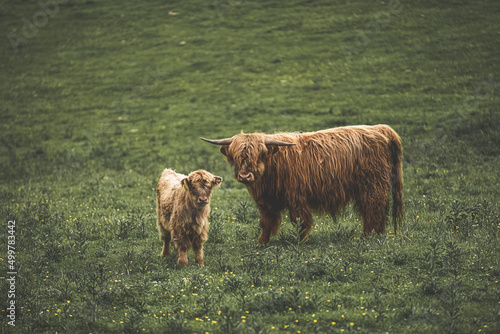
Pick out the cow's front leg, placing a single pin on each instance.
(269, 223)
(306, 220)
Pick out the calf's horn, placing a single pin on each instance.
(226, 141)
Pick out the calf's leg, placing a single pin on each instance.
(182, 246)
(165, 237)
(166, 243)
(183, 259)
(198, 251)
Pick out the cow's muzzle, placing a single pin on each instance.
(246, 177)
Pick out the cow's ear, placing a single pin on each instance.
(217, 180)
(185, 184)
(223, 149)
(272, 149)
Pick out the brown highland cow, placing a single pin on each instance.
(183, 207)
(320, 171)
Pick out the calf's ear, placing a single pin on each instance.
(217, 180)
(185, 184)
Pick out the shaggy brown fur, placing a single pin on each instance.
(322, 171)
(183, 207)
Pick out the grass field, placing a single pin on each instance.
(98, 97)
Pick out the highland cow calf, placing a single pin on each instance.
(183, 209)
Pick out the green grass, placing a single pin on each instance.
(107, 94)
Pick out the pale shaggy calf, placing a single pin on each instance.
(183, 207)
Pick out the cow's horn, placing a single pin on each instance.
(269, 141)
(225, 141)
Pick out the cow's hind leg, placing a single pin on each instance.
(374, 210)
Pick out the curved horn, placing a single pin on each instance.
(225, 141)
(269, 141)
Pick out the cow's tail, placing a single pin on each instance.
(397, 180)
